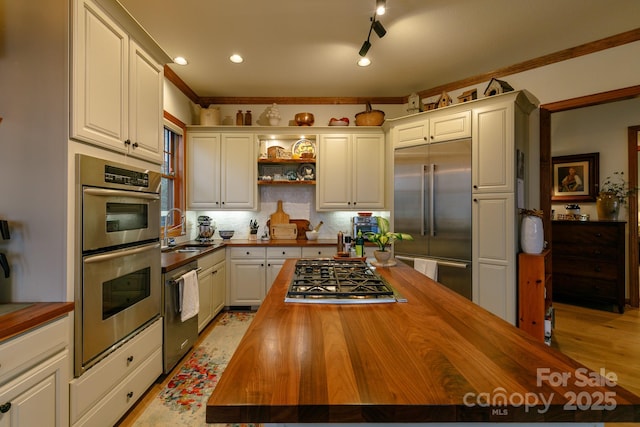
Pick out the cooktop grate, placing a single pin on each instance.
(337, 281)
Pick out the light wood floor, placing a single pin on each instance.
(597, 339)
(601, 339)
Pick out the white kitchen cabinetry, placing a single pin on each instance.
(212, 286)
(34, 375)
(117, 87)
(221, 170)
(247, 276)
(110, 388)
(414, 132)
(350, 171)
(445, 126)
(276, 256)
(500, 129)
(319, 252)
(253, 270)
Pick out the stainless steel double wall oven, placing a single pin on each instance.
(118, 272)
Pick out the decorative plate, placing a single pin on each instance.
(304, 146)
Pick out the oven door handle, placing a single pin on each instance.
(103, 192)
(120, 254)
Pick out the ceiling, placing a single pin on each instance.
(309, 48)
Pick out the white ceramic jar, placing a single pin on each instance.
(531, 234)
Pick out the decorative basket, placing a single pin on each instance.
(370, 117)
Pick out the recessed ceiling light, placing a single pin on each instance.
(364, 62)
(236, 59)
(381, 7)
(180, 60)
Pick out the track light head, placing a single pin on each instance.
(379, 29)
(365, 48)
(381, 7)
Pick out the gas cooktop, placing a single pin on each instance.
(328, 281)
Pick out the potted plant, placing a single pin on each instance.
(384, 238)
(612, 195)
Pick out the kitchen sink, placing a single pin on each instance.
(184, 249)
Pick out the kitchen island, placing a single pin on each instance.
(436, 358)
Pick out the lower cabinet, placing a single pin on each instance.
(252, 270)
(212, 286)
(34, 373)
(102, 395)
(494, 254)
(276, 256)
(246, 276)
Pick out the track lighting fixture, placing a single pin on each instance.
(365, 48)
(378, 28)
(375, 26)
(381, 7)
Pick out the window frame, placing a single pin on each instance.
(179, 197)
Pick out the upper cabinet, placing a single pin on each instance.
(493, 150)
(449, 126)
(413, 132)
(350, 171)
(437, 126)
(221, 172)
(116, 86)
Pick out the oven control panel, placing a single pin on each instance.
(116, 175)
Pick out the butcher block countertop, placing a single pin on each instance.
(31, 316)
(436, 358)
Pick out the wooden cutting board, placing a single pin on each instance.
(279, 216)
(303, 225)
(284, 231)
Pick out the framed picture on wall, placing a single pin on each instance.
(575, 177)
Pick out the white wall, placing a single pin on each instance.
(33, 142)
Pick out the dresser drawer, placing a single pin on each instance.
(584, 288)
(580, 267)
(577, 233)
(587, 251)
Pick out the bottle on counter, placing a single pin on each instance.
(359, 244)
(347, 244)
(239, 118)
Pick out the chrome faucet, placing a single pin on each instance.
(167, 228)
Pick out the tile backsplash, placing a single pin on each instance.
(297, 201)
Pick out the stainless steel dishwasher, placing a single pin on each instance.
(178, 336)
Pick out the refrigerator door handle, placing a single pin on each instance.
(432, 202)
(423, 195)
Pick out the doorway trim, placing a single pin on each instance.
(546, 179)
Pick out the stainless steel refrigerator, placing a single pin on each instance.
(432, 202)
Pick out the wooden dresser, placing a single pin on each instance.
(589, 262)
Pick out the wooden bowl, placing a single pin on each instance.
(304, 119)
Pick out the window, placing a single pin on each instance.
(172, 190)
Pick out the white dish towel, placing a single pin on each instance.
(428, 267)
(189, 295)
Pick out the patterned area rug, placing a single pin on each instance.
(183, 400)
